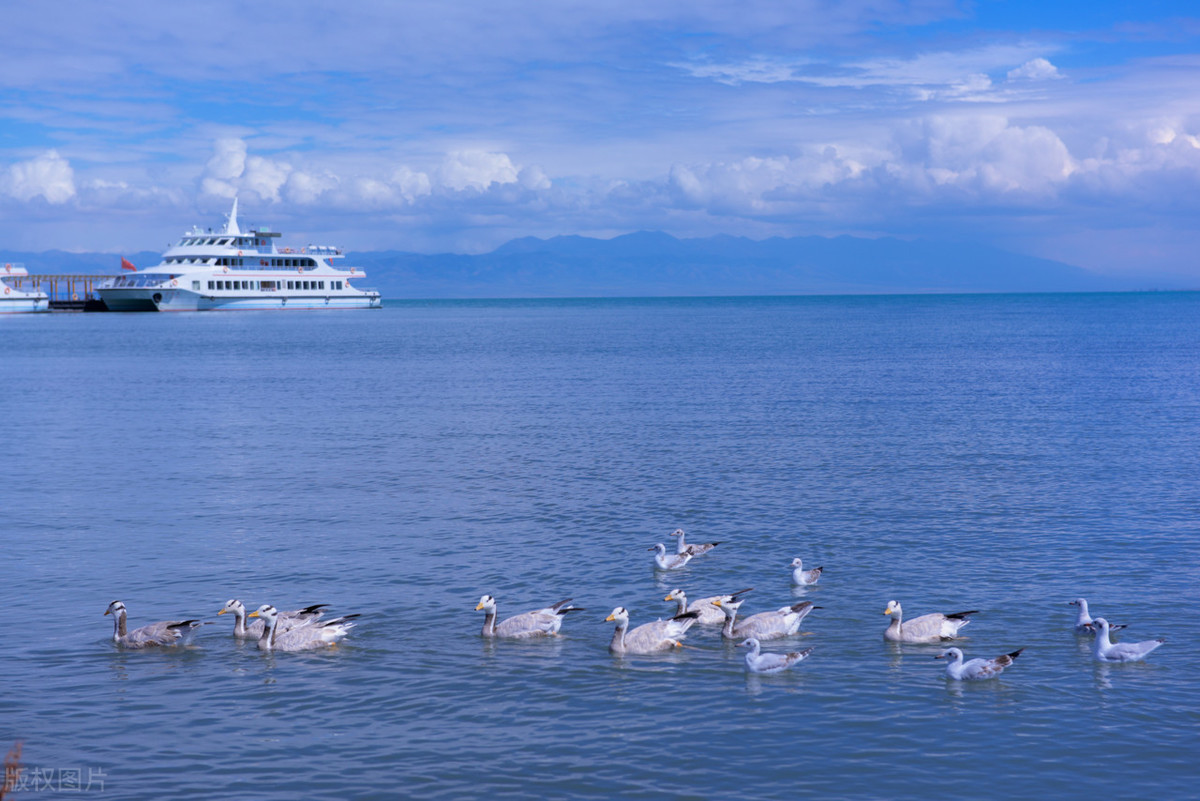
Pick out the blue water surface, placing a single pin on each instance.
(997, 453)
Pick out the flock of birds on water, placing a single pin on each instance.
(308, 629)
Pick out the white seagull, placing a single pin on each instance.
(1083, 621)
(287, 620)
(1107, 651)
(802, 577)
(757, 662)
(307, 636)
(975, 669)
(695, 550)
(648, 638)
(161, 634)
(543, 622)
(666, 561)
(930, 628)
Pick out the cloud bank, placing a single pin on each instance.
(419, 127)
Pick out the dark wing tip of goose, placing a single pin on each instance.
(686, 616)
(1015, 653)
(963, 614)
(308, 610)
(566, 609)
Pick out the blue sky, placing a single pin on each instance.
(1058, 129)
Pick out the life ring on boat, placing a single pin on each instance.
(74, 296)
(8, 268)
(225, 270)
(239, 252)
(300, 269)
(174, 282)
(7, 291)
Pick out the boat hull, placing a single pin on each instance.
(178, 300)
(24, 305)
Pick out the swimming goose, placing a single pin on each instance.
(163, 633)
(307, 636)
(757, 662)
(666, 561)
(648, 638)
(709, 615)
(1105, 650)
(975, 669)
(781, 622)
(695, 550)
(287, 620)
(802, 577)
(930, 628)
(538, 623)
(1083, 621)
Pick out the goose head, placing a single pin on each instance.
(893, 608)
(620, 615)
(267, 612)
(115, 608)
(729, 604)
(234, 605)
(487, 603)
(676, 595)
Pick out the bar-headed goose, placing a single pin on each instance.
(253, 631)
(781, 622)
(975, 669)
(648, 638)
(708, 613)
(307, 636)
(539, 623)
(930, 628)
(160, 634)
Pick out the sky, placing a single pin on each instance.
(1062, 129)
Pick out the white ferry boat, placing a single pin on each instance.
(18, 297)
(232, 270)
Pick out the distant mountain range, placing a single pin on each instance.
(656, 264)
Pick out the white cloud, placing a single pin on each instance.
(48, 176)
(411, 184)
(476, 169)
(1038, 69)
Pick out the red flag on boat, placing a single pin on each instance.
(126, 264)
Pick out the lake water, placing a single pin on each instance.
(999, 453)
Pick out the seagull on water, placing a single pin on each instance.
(669, 561)
(757, 662)
(695, 550)
(975, 669)
(1083, 621)
(802, 577)
(1105, 650)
